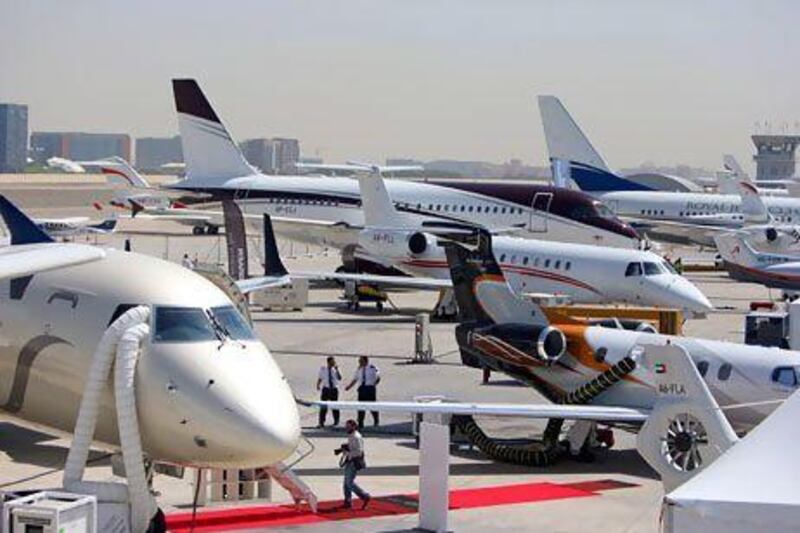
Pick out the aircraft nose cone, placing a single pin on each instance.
(216, 406)
(682, 294)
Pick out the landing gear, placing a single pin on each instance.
(198, 230)
(158, 524)
(213, 230)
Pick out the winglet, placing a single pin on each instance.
(22, 229)
(117, 169)
(273, 266)
(687, 430)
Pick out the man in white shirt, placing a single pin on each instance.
(328, 382)
(367, 376)
(354, 460)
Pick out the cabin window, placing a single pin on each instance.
(471, 207)
(702, 368)
(503, 210)
(634, 269)
(463, 207)
(567, 265)
(478, 209)
(724, 372)
(525, 260)
(557, 265)
(513, 259)
(494, 210)
(438, 207)
(547, 263)
(502, 257)
(536, 261)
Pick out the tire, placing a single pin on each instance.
(213, 230)
(198, 230)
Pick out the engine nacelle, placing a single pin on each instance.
(396, 243)
(545, 344)
(771, 234)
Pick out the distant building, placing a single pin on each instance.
(287, 153)
(312, 160)
(154, 152)
(13, 137)
(260, 153)
(78, 146)
(775, 156)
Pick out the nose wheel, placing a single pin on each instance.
(684, 444)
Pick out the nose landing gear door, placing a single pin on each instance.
(540, 212)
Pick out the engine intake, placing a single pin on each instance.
(551, 344)
(417, 243)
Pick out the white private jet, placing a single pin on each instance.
(204, 392)
(578, 365)
(744, 263)
(585, 273)
(215, 167)
(74, 226)
(655, 212)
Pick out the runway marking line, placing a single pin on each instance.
(266, 516)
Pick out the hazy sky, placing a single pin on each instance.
(673, 81)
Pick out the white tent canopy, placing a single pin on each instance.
(754, 486)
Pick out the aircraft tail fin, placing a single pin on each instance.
(379, 211)
(273, 264)
(117, 170)
(480, 288)
(21, 228)
(735, 249)
(753, 207)
(732, 165)
(687, 430)
(209, 151)
(572, 155)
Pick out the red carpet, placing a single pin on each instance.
(262, 516)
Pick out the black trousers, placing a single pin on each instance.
(330, 395)
(368, 393)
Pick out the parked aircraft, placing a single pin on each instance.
(74, 226)
(744, 263)
(215, 167)
(205, 392)
(580, 364)
(575, 155)
(585, 273)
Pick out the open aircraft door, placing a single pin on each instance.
(540, 212)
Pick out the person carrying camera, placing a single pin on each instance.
(352, 461)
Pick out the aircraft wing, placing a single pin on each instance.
(26, 259)
(189, 217)
(320, 232)
(405, 282)
(570, 412)
(262, 282)
(266, 282)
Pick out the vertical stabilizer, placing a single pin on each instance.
(735, 249)
(481, 290)
(753, 208)
(21, 228)
(732, 165)
(379, 211)
(117, 170)
(573, 154)
(273, 264)
(687, 430)
(209, 151)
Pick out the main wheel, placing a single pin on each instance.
(213, 230)
(198, 230)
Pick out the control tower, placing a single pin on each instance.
(775, 156)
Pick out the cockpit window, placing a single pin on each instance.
(604, 211)
(634, 269)
(652, 269)
(183, 324)
(232, 322)
(785, 375)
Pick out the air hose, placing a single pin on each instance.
(547, 450)
(119, 346)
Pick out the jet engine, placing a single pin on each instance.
(543, 344)
(396, 242)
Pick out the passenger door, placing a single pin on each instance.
(540, 212)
